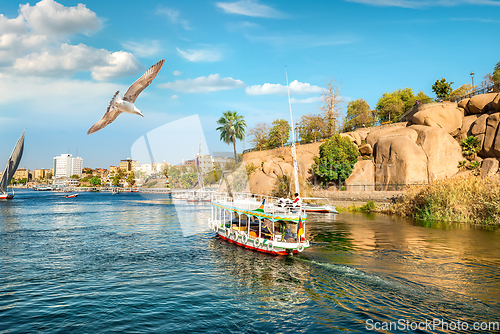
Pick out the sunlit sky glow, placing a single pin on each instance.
(61, 62)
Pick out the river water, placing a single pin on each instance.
(124, 263)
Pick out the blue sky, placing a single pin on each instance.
(61, 62)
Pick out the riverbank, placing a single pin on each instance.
(348, 199)
(464, 200)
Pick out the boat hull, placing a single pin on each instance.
(249, 245)
(6, 196)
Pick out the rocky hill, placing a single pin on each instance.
(422, 149)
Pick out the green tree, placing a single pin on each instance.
(131, 179)
(496, 74)
(95, 181)
(116, 179)
(232, 127)
(74, 176)
(442, 88)
(49, 175)
(311, 128)
(279, 133)
(422, 98)
(461, 91)
(260, 135)
(359, 115)
(392, 105)
(188, 180)
(389, 107)
(336, 160)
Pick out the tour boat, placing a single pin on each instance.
(11, 168)
(71, 196)
(259, 222)
(256, 222)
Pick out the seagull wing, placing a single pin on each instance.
(140, 84)
(108, 117)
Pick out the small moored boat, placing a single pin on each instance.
(256, 222)
(71, 196)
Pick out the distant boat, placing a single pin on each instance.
(11, 168)
(71, 196)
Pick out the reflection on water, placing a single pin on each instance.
(132, 263)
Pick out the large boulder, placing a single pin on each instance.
(443, 115)
(353, 137)
(496, 102)
(398, 160)
(285, 168)
(463, 104)
(490, 134)
(260, 183)
(362, 176)
(466, 127)
(489, 167)
(442, 151)
(392, 131)
(305, 157)
(366, 149)
(478, 103)
(270, 168)
(363, 132)
(479, 125)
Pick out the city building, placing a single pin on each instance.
(65, 166)
(128, 165)
(154, 168)
(39, 174)
(22, 173)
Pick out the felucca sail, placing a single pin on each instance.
(12, 165)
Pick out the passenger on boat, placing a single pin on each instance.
(290, 237)
(297, 201)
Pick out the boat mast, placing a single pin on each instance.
(294, 153)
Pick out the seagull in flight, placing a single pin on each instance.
(119, 105)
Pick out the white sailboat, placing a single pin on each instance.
(11, 168)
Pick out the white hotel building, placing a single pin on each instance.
(65, 166)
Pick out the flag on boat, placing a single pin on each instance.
(261, 207)
(300, 230)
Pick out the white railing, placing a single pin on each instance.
(248, 201)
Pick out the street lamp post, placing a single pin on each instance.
(472, 76)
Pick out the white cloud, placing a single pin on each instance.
(51, 18)
(296, 87)
(145, 49)
(212, 83)
(58, 95)
(203, 55)
(119, 64)
(32, 44)
(426, 3)
(176, 73)
(249, 8)
(174, 17)
(72, 58)
(308, 100)
(174, 97)
(17, 25)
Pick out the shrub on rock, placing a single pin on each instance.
(336, 160)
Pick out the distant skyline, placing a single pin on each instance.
(62, 61)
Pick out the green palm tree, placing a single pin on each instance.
(232, 127)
